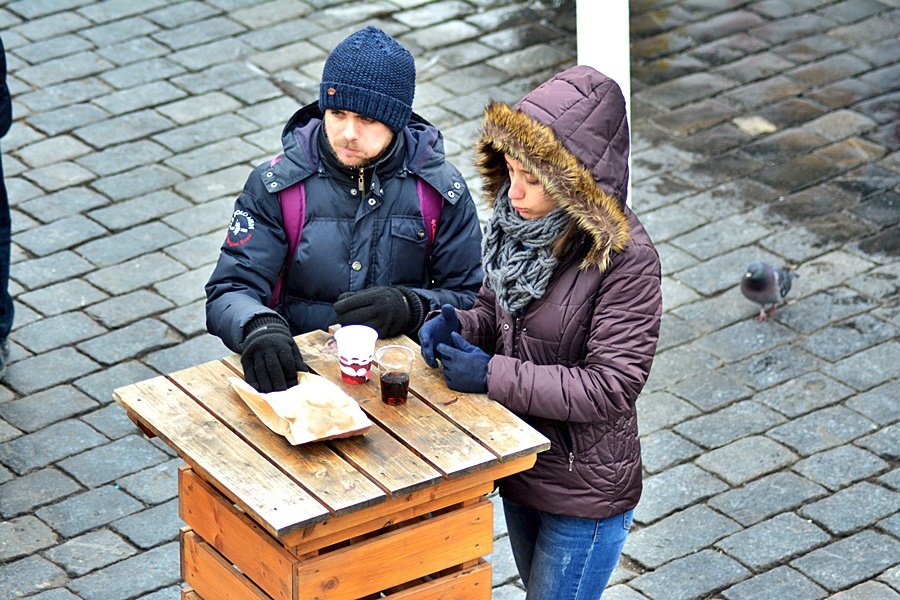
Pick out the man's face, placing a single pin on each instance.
(356, 140)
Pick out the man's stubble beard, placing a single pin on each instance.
(364, 162)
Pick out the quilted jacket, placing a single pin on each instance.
(352, 239)
(573, 363)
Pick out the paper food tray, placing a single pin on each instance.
(314, 409)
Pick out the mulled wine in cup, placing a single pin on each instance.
(394, 364)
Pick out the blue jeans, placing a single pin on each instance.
(564, 558)
(6, 301)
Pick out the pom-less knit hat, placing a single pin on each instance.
(370, 74)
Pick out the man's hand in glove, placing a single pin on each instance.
(437, 331)
(389, 310)
(465, 365)
(270, 356)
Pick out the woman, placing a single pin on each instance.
(564, 329)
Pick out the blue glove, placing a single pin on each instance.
(465, 365)
(437, 331)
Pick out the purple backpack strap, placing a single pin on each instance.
(432, 204)
(293, 211)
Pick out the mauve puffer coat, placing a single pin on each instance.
(574, 363)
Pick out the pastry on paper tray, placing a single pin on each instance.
(314, 409)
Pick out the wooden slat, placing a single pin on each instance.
(296, 540)
(189, 594)
(433, 437)
(398, 556)
(489, 422)
(469, 495)
(386, 460)
(473, 583)
(257, 554)
(328, 477)
(274, 501)
(211, 575)
(263, 557)
(137, 422)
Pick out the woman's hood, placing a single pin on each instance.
(572, 134)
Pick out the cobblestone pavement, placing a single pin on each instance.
(762, 130)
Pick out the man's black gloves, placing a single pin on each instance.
(391, 311)
(270, 356)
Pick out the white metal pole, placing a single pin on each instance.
(604, 43)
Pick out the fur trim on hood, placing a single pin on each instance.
(574, 107)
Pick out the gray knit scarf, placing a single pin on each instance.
(517, 255)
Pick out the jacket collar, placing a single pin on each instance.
(422, 155)
(390, 161)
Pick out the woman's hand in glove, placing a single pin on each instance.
(465, 365)
(270, 357)
(437, 331)
(391, 311)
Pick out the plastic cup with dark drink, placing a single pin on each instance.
(394, 364)
(355, 349)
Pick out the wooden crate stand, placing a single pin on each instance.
(430, 550)
(397, 513)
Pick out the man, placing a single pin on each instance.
(6, 301)
(364, 255)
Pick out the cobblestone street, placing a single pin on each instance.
(764, 130)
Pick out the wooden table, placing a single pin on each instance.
(399, 512)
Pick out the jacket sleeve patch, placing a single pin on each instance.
(240, 231)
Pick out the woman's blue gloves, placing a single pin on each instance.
(437, 331)
(465, 365)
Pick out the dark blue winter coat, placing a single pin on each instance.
(5, 100)
(348, 243)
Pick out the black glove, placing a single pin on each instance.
(437, 331)
(391, 311)
(270, 356)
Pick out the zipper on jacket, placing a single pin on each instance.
(566, 436)
(517, 329)
(361, 183)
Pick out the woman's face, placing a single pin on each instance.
(526, 194)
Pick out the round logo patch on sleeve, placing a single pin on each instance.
(241, 229)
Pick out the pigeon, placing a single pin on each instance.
(767, 286)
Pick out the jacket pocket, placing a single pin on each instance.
(407, 251)
(321, 266)
(537, 350)
(567, 443)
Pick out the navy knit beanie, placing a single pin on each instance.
(370, 74)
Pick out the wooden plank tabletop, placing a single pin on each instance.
(246, 476)
(443, 444)
(438, 435)
(331, 480)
